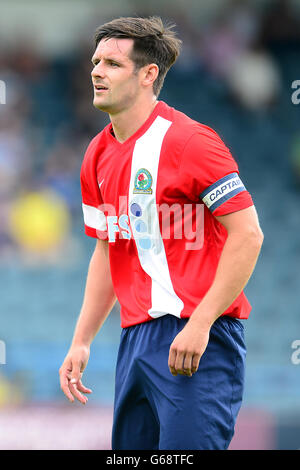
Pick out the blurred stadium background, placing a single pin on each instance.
(238, 64)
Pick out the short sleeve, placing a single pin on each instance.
(209, 172)
(92, 202)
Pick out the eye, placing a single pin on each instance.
(114, 64)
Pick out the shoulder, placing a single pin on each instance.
(195, 132)
(186, 131)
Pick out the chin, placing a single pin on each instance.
(101, 105)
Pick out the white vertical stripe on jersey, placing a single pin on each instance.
(153, 260)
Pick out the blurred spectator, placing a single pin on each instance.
(233, 32)
(12, 391)
(16, 150)
(61, 171)
(220, 46)
(15, 158)
(244, 20)
(37, 152)
(280, 24)
(254, 79)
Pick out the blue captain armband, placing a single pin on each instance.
(222, 190)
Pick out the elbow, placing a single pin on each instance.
(255, 237)
(259, 236)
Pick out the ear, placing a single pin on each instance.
(149, 74)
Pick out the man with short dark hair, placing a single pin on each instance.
(180, 368)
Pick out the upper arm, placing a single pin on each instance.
(242, 221)
(100, 260)
(102, 247)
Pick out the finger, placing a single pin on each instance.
(64, 385)
(179, 362)
(195, 362)
(171, 361)
(76, 393)
(187, 364)
(66, 390)
(82, 388)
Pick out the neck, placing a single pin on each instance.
(127, 122)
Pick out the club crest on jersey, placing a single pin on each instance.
(143, 182)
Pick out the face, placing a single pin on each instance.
(116, 83)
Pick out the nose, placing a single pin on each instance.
(98, 70)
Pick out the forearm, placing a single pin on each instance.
(99, 297)
(235, 267)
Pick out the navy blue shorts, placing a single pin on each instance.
(155, 410)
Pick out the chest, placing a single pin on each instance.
(141, 175)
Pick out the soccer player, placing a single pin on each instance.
(180, 368)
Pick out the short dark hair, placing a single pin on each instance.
(153, 42)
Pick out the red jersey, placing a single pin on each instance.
(155, 198)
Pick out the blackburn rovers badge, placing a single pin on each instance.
(143, 182)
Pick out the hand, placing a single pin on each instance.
(187, 349)
(71, 373)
